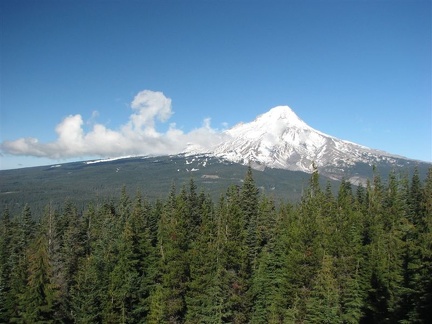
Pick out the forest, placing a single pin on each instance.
(352, 255)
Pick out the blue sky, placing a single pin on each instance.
(357, 70)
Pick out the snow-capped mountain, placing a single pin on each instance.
(280, 139)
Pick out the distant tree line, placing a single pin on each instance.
(363, 255)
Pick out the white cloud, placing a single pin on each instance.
(148, 105)
(138, 136)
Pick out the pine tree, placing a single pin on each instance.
(26, 224)
(423, 300)
(415, 200)
(345, 246)
(50, 229)
(123, 280)
(23, 233)
(194, 205)
(124, 206)
(40, 296)
(173, 247)
(88, 292)
(6, 232)
(396, 227)
(249, 206)
(233, 258)
(356, 257)
(385, 251)
(156, 307)
(375, 309)
(312, 224)
(269, 302)
(204, 290)
(266, 221)
(262, 288)
(145, 256)
(322, 305)
(74, 246)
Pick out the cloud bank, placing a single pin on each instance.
(138, 136)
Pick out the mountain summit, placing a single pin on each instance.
(280, 113)
(280, 139)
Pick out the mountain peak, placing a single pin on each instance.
(281, 111)
(280, 139)
(284, 114)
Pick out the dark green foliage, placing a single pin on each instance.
(204, 295)
(323, 300)
(39, 298)
(88, 293)
(423, 297)
(6, 232)
(85, 183)
(234, 261)
(359, 256)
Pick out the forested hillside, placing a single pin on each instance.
(362, 255)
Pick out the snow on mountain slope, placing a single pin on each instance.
(280, 139)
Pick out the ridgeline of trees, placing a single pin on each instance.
(363, 255)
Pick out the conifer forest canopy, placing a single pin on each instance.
(345, 255)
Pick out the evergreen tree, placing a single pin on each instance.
(415, 200)
(145, 260)
(322, 305)
(124, 206)
(23, 234)
(266, 222)
(233, 260)
(363, 257)
(73, 248)
(6, 232)
(26, 226)
(396, 229)
(312, 224)
(88, 293)
(249, 205)
(423, 298)
(204, 290)
(194, 205)
(375, 308)
(262, 288)
(156, 308)
(123, 280)
(173, 246)
(268, 294)
(40, 296)
(345, 246)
